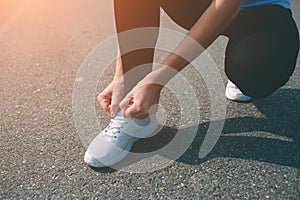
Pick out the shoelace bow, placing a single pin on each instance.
(114, 126)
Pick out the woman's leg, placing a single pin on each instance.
(262, 50)
(185, 12)
(132, 14)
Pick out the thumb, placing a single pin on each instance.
(125, 104)
(115, 101)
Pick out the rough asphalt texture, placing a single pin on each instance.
(44, 42)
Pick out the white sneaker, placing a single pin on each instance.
(234, 93)
(115, 141)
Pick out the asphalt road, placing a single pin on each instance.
(43, 44)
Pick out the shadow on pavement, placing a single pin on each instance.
(274, 138)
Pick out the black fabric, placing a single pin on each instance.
(262, 50)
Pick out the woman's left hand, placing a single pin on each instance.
(141, 101)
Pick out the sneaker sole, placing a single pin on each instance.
(239, 98)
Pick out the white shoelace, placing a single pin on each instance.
(114, 126)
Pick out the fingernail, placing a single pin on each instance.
(113, 114)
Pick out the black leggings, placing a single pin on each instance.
(262, 51)
(263, 41)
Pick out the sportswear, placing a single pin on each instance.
(251, 3)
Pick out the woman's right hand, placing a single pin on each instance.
(110, 98)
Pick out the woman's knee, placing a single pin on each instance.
(259, 88)
(258, 65)
(130, 14)
(258, 82)
(185, 13)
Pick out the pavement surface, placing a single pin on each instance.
(44, 42)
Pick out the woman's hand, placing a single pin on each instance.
(110, 98)
(141, 101)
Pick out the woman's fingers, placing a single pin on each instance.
(137, 111)
(110, 98)
(141, 101)
(104, 102)
(124, 105)
(117, 96)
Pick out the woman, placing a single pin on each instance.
(260, 57)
